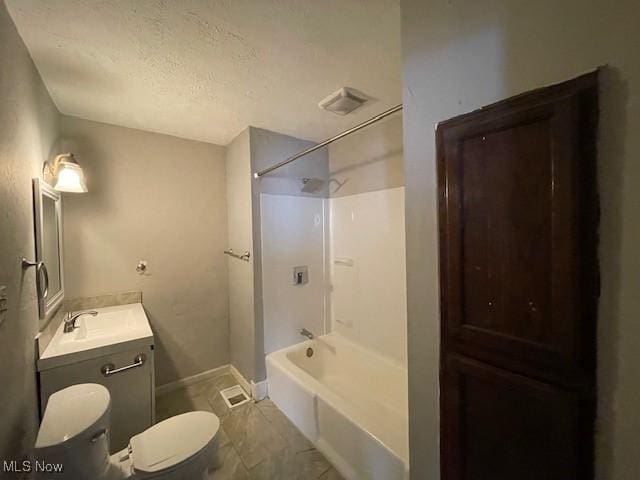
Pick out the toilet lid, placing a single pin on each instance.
(173, 441)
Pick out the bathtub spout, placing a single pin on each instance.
(306, 333)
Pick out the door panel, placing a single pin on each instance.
(518, 282)
(518, 216)
(513, 245)
(497, 240)
(509, 426)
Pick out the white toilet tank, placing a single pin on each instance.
(75, 432)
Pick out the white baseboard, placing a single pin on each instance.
(259, 390)
(199, 377)
(240, 379)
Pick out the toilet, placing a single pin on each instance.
(75, 433)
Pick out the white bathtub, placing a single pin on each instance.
(349, 402)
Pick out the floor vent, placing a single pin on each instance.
(234, 396)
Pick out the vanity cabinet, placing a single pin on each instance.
(131, 389)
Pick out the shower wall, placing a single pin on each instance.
(368, 302)
(367, 239)
(293, 230)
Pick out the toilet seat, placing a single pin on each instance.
(172, 443)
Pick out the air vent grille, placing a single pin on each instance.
(344, 101)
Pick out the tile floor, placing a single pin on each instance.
(256, 440)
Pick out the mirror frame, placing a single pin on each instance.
(47, 305)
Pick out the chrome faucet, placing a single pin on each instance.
(306, 333)
(70, 320)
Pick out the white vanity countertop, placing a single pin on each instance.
(114, 329)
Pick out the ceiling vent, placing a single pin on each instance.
(344, 101)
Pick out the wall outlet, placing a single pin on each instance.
(4, 303)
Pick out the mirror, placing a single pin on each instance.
(49, 275)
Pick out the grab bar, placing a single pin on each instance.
(245, 256)
(110, 369)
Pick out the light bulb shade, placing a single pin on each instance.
(70, 178)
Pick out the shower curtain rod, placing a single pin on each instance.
(360, 126)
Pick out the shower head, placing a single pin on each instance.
(311, 185)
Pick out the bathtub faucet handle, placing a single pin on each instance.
(306, 333)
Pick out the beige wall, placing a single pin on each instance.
(460, 55)
(28, 129)
(269, 148)
(368, 160)
(242, 336)
(255, 149)
(161, 199)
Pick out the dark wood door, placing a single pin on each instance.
(501, 425)
(519, 286)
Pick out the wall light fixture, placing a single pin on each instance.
(66, 174)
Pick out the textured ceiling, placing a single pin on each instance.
(205, 69)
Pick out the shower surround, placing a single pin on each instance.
(348, 393)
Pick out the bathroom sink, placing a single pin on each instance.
(112, 330)
(103, 325)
